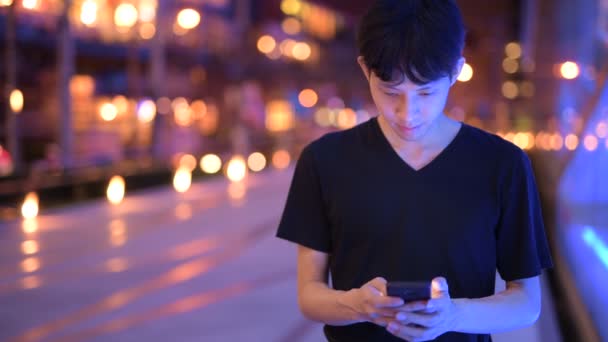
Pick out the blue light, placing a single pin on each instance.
(598, 246)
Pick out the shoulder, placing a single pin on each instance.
(333, 145)
(510, 163)
(494, 147)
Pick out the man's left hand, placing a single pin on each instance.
(426, 320)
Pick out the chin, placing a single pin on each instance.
(411, 135)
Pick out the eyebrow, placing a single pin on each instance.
(425, 87)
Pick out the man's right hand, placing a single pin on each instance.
(372, 303)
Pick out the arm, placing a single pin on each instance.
(516, 307)
(316, 300)
(320, 303)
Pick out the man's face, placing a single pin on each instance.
(410, 109)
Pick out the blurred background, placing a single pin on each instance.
(146, 149)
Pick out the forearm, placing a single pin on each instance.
(320, 303)
(506, 310)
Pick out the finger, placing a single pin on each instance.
(379, 284)
(425, 320)
(406, 331)
(436, 304)
(387, 312)
(387, 302)
(427, 310)
(414, 306)
(373, 290)
(402, 318)
(382, 321)
(439, 288)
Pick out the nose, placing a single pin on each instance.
(407, 109)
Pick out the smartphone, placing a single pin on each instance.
(409, 291)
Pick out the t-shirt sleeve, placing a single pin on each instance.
(304, 220)
(522, 247)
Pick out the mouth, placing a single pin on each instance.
(408, 128)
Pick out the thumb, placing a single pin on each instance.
(379, 284)
(439, 288)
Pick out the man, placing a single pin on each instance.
(413, 195)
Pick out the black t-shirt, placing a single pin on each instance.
(471, 211)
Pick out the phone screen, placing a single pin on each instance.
(409, 291)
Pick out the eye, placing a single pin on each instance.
(427, 93)
(391, 94)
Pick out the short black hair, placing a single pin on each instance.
(419, 39)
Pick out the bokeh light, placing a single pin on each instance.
(280, 116)
(188, 162)
(30, 226)
(266, 44)
(30, 206)
(211, 163)
(291, 7)
(510, 90)
(466, 74)
(301, 51)
(256, 162)
(308, 98)
(287, 47)
(513, 50)
(108, 111)
(556, 142)
(523, 141)
(31, 4)
(182, 180)
(147, 30)
(147, 10)
(29, 265)
(590, 142)
(236, 170)
(16, 100)
(510, 66)
(125, 15)
(601, 129)
(188, 18)
(291, 26)
(281, 159)
(29, 247)
(146, 111)
(571, 142)
(569, 70)
(88, 12)
(116, 190)
(346, 118)
(31, 282)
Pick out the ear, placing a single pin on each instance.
(364, 67)
(457, 70)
